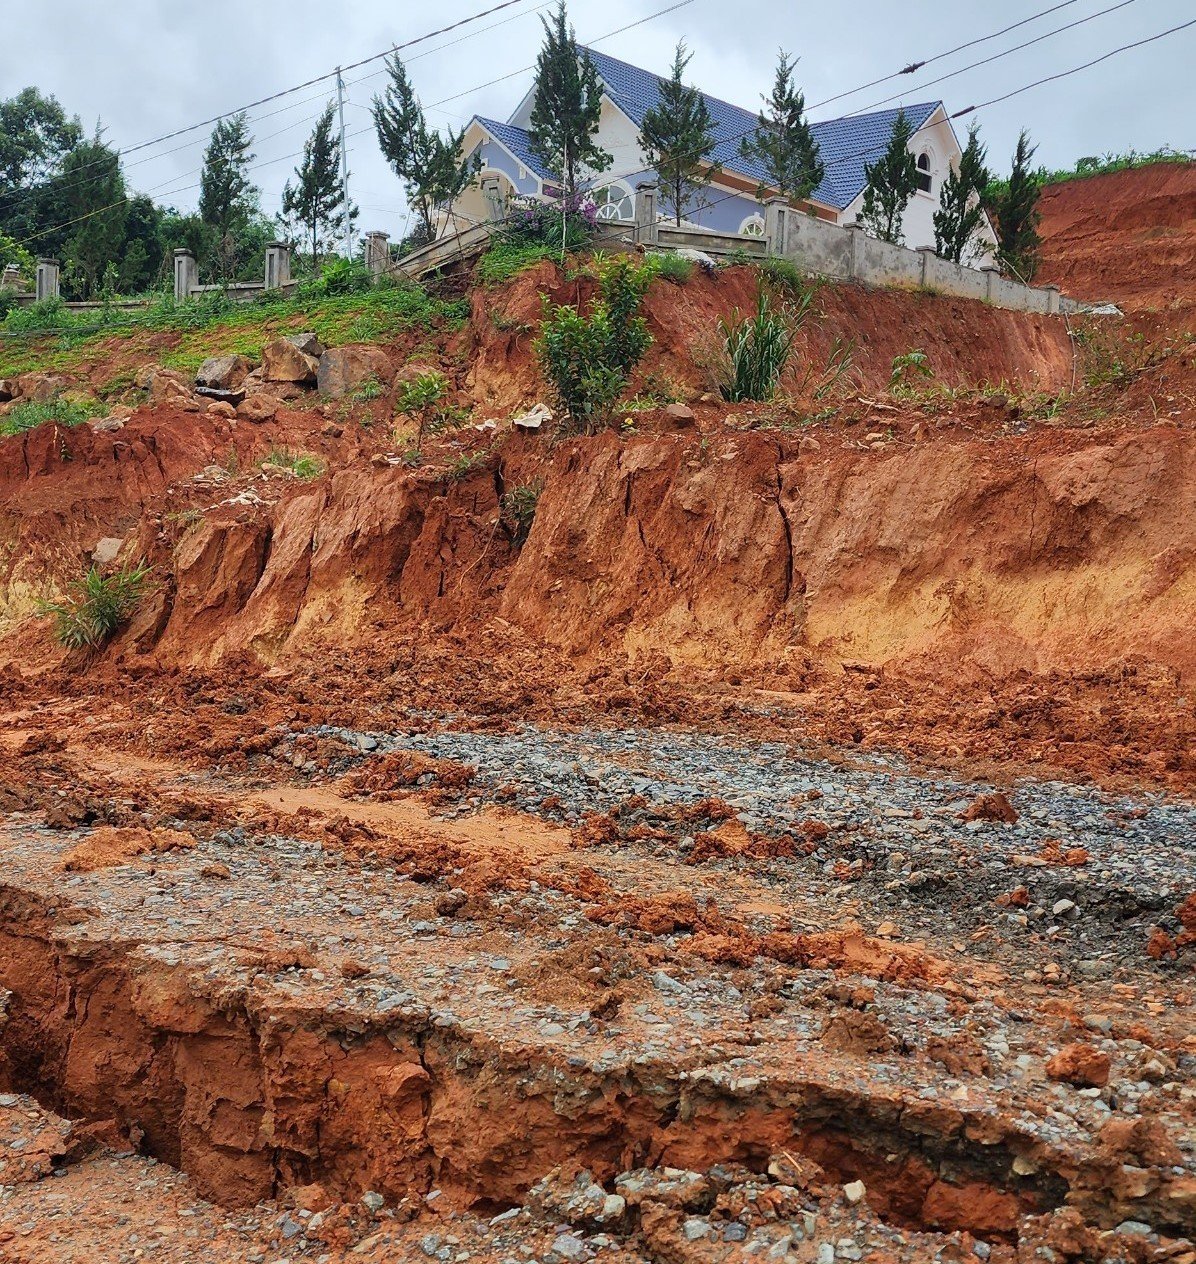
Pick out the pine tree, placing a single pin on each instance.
(784, 145)
(95, 192)
(892, 180)
(960, 215)
(677, 138)
(1016, 209)
(317, 201)
(227, 197)
(567, 106)
(428, 164)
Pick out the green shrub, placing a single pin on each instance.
(589, 359)
(421, 392)
(908, 367)
(96, 605)
(518, 510)
(785, 275)
(28, 414)
(336, 278)
(756, 348)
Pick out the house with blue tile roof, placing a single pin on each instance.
(509, 169)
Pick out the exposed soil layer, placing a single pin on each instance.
(776, 845)
(1128, 237)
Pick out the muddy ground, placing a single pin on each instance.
(784, 851)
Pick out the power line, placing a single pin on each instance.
(1017, 48)
(918, 65)
(1063, 74)
(275, 96)
(680, 4)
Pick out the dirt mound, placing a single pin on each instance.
(1128, 237)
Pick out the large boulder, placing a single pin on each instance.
(343, 370)
(223, 373)
(166, 386)
(284, 361)
(41, 387)
(308, 343)
(8, 389)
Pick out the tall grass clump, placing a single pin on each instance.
(757, 347)
(94, 607)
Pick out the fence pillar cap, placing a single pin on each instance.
(926, 250)
(646, 184)
(775, 200)
(180, 251)
(378, 232)
(278, 245)
(990, 267)
(47, 259)
(1051, 286)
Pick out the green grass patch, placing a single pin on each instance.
(29, 414)
(301, 464)
(504, 259)
(47, 335)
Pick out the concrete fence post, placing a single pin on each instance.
(11, 280)
(278, 265)
(928, 254)
(646, 232)
(992, 273)
(856, 267)
(377, 253)
(1053, 304)
(776, 225)
(47, 279)
(186, 275)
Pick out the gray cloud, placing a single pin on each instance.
(146, 67)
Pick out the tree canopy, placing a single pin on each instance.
(960, 217)
(316, 201)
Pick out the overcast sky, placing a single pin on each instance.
(147, 67)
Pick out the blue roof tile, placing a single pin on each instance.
(518, 142)
(845, 144)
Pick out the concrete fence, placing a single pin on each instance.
(825, 249)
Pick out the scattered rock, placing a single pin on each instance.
(283, 361)
(342, 370)
(107, 550)
(258, 408)
(854, 1192)
(223, 373)
(1083, 1065)
(8, 389)
(990, 807)
(680, 415)
(450, 903)
(221, 408)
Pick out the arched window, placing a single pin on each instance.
(614, 202)
(924, 181)
(753, 226)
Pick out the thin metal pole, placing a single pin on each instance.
(340, 100)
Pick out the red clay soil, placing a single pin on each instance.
(1128, 237)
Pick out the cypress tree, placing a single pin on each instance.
(317, 200)
(892, 180)
(567, 106)
(428, 163)
(784, 145)
(677, 138)
(960, 215)
(1016, 210)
